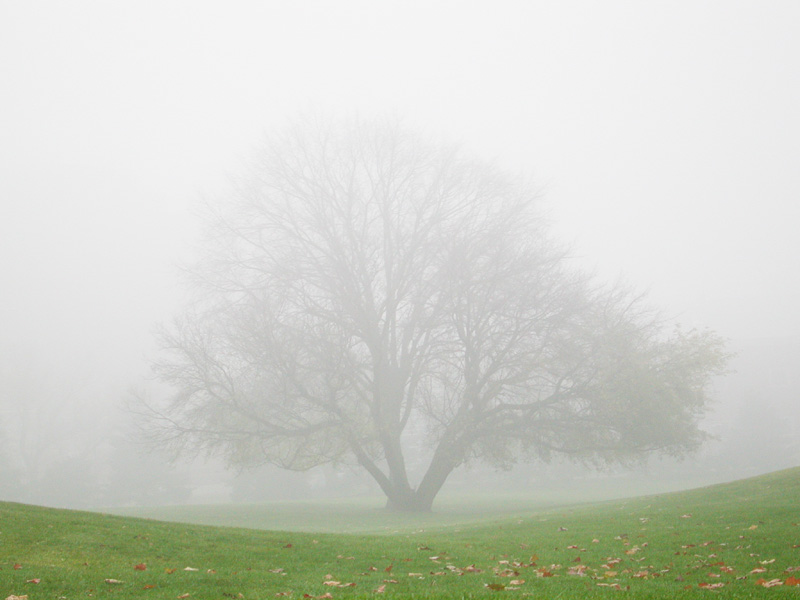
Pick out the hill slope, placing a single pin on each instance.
(736, 536)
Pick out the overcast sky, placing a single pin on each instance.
(665, 135)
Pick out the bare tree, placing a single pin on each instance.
(362, 279)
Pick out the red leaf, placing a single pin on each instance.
(17, 566)
(140, 567)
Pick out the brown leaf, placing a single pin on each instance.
(791, 580)
(149, 586)
(380, 589)
(497, 587)
(17, 567)
(140, 567)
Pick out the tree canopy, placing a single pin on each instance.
(363, 290)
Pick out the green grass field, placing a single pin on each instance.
(736, 540)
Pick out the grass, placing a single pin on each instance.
(663, 546)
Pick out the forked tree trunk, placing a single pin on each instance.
(404, 499)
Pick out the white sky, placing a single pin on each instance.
(666, 136)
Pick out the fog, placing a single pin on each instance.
(665, 138)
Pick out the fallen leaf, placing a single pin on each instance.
(472, 569)
(380, 589)
(770, 583)
(113, 581)
(17, 598)
(497, 587)
(331, 582)
(149, 586)
(792, 581)
(710, 586)
(140, 567)
(37, 580)
(183, 596)
(169, 571)
(191, 569)
(516, 582)
(17, 567)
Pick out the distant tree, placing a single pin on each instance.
(362, 283)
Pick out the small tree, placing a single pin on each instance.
(361, 281)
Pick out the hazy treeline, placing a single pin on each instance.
(67, 441)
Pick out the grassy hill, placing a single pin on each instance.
(736, 537)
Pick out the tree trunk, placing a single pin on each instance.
(411, 502)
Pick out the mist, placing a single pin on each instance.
(663, 138)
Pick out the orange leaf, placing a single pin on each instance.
(149, 586)
(140, 567)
